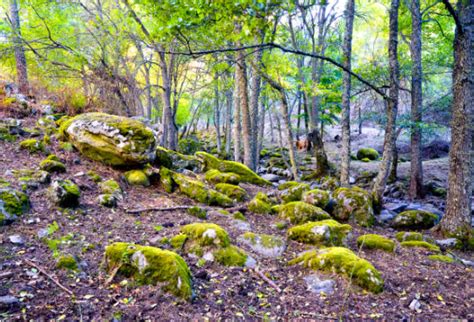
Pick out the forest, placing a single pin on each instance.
(236, 159)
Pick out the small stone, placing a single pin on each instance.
(448, 242)
(415, 305)
(43, 232)
(271, 177)
(250, 262)
(16, 239)
(8, 302)
(316, 285)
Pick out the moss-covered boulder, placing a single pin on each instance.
(198, 191)
(176, 161)
(32, 145)
(137, 178)
(294, 193)
(354, 204)
(260, 204)
(166, 179)
(13, 204)
(64, 193)
(246, 175)
(264, 245)
(374, 241)
(325, 232)
(408, 235)
(329, 183)
(31, 179)
(111, 193)
(441, 258)
(67, 262)
(197, 212)
(210, 242)
(151, 265)
(232, 191)
(286, 185)
(367, 153)
(317, 197)
(420, 244)
(189, 145)
(299, 212)
(215, 176)
(414, 219)
(344, 261)
(110, 139)
(52, 164)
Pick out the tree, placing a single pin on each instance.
(346, 95)
(391, 104)
(456, 221)
(20, 58)
(416, 167)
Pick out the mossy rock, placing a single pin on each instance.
(199, 192)
(286, 185)
(94, 176)
(365, 160)
(31, 179)
(107, 200)
(265, 245)
(197, 212)
(239, 216)
(246, 175)
(189, 146)
(294, 193)
(166, 179)
(414, 219)
(176, 161)
(110, 139)
(259, 206)
(215, 176)
(151, 265)
(52, 164)
(408, 236)
(367, 153)
(441, 258)
(206, 234)
(325, 232)
(374, 241)
(231, 256)
(110, 187)
(299, 212)
(317, 197)
(329, 183)
(354, 204)
(32, 145)
(343, 261)
(420, 244)
(137, 178)
(232, 191)
(64, 193)
(13, 204)
(47, 124)
(67, 262)
(66, 146)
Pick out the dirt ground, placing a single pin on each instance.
(445, 291)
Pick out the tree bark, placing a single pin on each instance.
(255, 86)
(456, 221)
(228, 121)
(392, 106)
(20, 58)
(416, 167)
(346, 95)
(217, 115)
(237, 123)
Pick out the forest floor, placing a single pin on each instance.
(443, 290)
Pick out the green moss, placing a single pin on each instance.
(420, 244)
(407, 236)
(151, 265)
(299, 212)
(137, 178)
(177, 242)
(166, 179)
(232, 191)
(294, 193)
(368, 153)
(365, 160)
(110, 187)
(215, 176)
(325, 232)
(246, 175)
(189, 146)
(197, 212)
(65, 193)
(52, 166)
(224, 212)
(174, 160)
(344, 261)
(199, 192)
(13, 203)
(373, 241)
(329, 183)
(317, 197)
(259, 206)
(286, 185)
(107, 200)
(66, 146)
(32, 145)
(354, 204)
(67, 262)
(206, 234)
(414, 219)
(230, 256)
(441, 258)
(239, 216)
(94, 176)
(281, 225)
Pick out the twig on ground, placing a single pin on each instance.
(140, 210)
(266, 279)
(42, 270)
(6, 274)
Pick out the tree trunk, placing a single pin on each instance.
(456, 221)
(254, 103)
(241, 73)
(228, 121)
(217, 115)
(416, 169)
(346, 95)
(20, 58)
(261, 132)
(392, 106)
(237, 122)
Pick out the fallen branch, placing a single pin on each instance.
(42, 270)
(140, 210)
(6, 275)
(266, 279)
(112, 274)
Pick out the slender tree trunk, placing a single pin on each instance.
(392, 107)
(456, 221)
(270, 117)
(254, 103)
(346, 96)
(20, 58)
(261, 132)
(228, 121)
(416, 169)
(217, 115)
(241, 73)
(237, 123)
